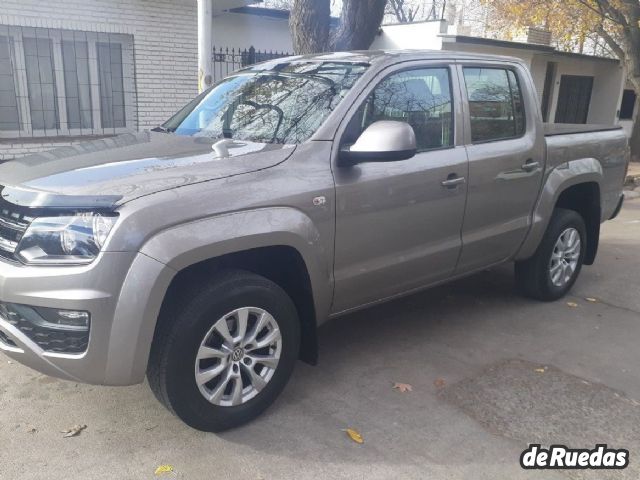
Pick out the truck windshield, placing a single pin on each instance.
(286, 103)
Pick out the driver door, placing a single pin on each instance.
(398, 224)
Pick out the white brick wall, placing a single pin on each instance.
(165, 43)
(19, 148)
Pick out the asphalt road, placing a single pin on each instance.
(491, 372)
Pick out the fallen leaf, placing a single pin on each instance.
(572, 304)
(355, 435)
(162, 469)
(9, 362)
(590, 299)
(439, 383)
(540, 370)
(402, 387)
(74, 431)
(32, 430)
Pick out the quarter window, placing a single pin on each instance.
(421, 98)
(495, 104)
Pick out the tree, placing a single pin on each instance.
(407, 11)
(310, 25)
(403, 11)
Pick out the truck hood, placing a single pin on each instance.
(108, 172)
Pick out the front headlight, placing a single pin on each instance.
(68, 240)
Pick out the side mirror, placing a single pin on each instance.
(382, 141)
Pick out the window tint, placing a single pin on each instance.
(111, 85)
(43, 98)
(75, 59)
(9, 118)
(495, 104)
(422, 98)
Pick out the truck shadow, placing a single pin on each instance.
(438, 333)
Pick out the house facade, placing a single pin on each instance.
(113, 66)
(74, 69)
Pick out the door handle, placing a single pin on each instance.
(530, 165)
(452, 181)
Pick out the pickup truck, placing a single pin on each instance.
(204, 254)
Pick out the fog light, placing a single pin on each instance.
(75, 320)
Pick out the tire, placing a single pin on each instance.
(533, 276)
(184, 325)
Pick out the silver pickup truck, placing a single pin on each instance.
(204, 254)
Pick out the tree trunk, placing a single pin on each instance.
(359, 24)
(309, 24)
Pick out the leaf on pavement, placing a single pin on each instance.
(591, 299)
(355, 435)
(73, 431)
(439, 383)
(162, 469)
(540, 370)
(402, 387)
(572, 304)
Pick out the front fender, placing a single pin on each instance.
(184, 245)
(559, 179)
(171, 250)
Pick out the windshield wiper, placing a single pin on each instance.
(162, 129)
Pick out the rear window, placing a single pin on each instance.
(495, 104)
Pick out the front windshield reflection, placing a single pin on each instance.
(285, 104)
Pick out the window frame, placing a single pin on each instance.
(463, 86)
(17, 34)
(408, 66)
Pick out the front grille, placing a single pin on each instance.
(13, 224)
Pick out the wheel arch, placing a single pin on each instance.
(282, 264)
(575, 185)
(281, 244)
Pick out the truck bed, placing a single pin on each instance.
(551, 129)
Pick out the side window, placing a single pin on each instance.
(495, 104)
(421, 97)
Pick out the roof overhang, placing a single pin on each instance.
(545, 49)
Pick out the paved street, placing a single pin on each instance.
(491, 372)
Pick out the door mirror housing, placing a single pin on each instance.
(382, 141)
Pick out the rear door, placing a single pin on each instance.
(397, 225)
(506, 150)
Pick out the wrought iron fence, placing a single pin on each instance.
(226, 60)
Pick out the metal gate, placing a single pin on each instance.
(227, 60)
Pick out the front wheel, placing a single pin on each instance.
(555, 266)
(222, 355)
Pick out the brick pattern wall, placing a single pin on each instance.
(20, 147)
(165, 44)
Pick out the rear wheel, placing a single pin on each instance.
(551, 272)
(222, 355)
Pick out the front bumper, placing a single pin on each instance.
(122, 291)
